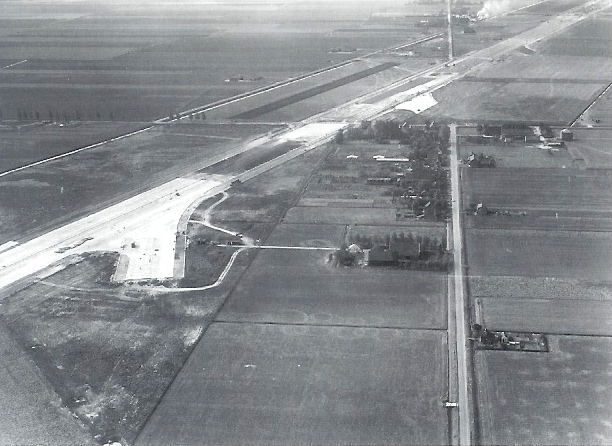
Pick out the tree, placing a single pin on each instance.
(410, 238)
(50, 115)
(339, 138)
(37, 115)
(203, 116)
(426, 242)
(191, 116)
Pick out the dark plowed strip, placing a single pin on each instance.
(272, 106)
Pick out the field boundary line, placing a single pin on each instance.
(72, 152)
(306, 324)
(591, 105)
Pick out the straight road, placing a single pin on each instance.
(461, 315)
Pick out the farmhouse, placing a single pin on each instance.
(523, 132)
(398, 252)
(566, 135)
(480, 160)
(379, 256)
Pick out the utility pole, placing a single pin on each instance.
(449, 11)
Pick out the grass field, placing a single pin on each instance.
(108, 352)
(559, 316)
(278, 384)
(307, 235)
(27, 144)
(561, 397)
(347, 216)
(280, 288)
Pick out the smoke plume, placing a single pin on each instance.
(492, 8)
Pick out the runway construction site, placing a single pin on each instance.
(395, 242)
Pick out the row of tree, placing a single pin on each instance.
(65, 116)
(54, 115)
(427, 243)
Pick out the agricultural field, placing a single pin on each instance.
(278, 288)
(552, 80)
(599, 114)
(569, 190)
(340, 385)
(148, 63)
(572, 254)
(592, 147)
(587, 40)
(544, 221)
(559, 316)
(520, 287)
(334, 97)
(492, 100)
(490, 32)
(560, 397)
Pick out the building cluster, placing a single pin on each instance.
(480, 160)
(508, 133)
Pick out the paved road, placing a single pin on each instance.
(460, 309)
